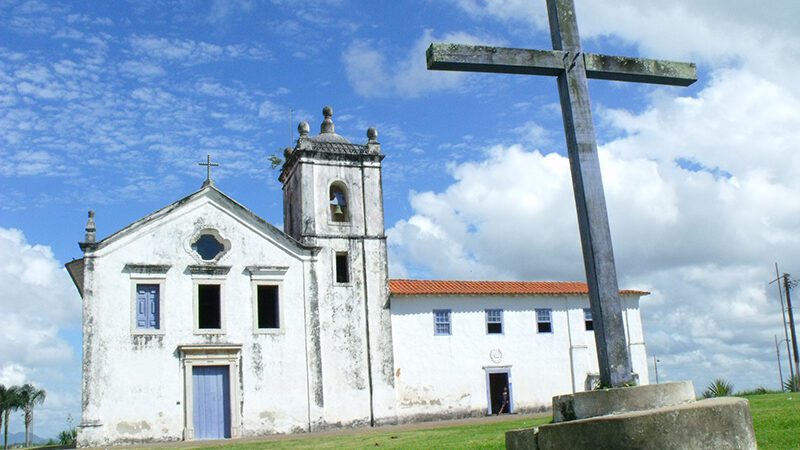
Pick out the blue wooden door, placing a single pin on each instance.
(211, 402)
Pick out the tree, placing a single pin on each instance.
(30, 397)
(10, 400)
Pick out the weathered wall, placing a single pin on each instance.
(134, 382)
(355, 324)
(445, 376)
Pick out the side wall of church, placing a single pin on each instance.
(445, 376)
(134, 379)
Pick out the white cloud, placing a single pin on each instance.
(702, 191)
(39, 304)
(272, 112)
(191, 52)
(371, 75)
(141, 69)
(704, 244)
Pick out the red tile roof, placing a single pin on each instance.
(456, 287)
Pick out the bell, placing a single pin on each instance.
(337, 210)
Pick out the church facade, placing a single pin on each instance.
(204, 321)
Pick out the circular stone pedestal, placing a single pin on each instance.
(583, 405)
(673, 421)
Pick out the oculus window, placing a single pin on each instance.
(208, 246)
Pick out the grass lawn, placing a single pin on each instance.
(484, 435)
(776, 418)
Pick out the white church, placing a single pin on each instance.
(203, 321)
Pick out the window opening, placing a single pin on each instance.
(208, 247)
(441, 322)
(544, 320)
(268, 316)
(147, 306)
(494, 321)
(208, 306)
(338, 204)
(587, 319)
(342, 268)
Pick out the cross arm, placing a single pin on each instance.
(480, 58)
(639, 70)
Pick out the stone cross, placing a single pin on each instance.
(208, 165)
(572, 67)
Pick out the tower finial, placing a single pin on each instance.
(303, 129)
(91, 229)
(327, 123)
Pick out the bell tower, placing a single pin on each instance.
(333, 200)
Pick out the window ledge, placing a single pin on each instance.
(143, 332)
(202, 331)
(273, 331)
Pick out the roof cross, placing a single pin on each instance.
(208, 165)
(572, 67)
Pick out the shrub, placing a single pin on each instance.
(68, 437)
(792, 384)
(761, 390)
(719, 388)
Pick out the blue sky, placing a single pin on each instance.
(111, 106)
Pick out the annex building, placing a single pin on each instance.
(204, 321)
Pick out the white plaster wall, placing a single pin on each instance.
(445, 375)
(633, 321)
(351, 366)
(135, 382)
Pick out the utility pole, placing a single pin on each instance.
(655, 364)
(791, 327)
(780, 370)
(785, 327)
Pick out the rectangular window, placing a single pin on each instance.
(147, 306)
(441, 322)
(342, 268)
(587, 319)
(267, 305)
(544, 320)
(494, 321)
(209, 314)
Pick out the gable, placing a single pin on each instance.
(205, 197)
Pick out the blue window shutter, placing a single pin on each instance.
(147, 306)
(153, 310)
(141, 307)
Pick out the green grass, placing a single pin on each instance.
(489, 435)
(776, 418)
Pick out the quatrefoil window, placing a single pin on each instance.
(209, 245)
